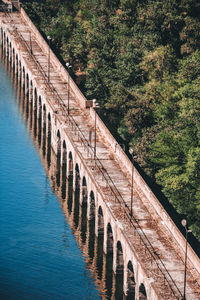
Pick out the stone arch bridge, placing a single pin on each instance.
(146, 247)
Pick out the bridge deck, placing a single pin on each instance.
(148, 219)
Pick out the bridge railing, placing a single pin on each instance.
(109, 182)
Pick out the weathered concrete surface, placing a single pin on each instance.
(147, 211)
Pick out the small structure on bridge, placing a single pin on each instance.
(9, 5)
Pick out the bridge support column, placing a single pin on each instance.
(1, 36)
(114, 256)
(125, 287)
(4, 41)
(105, 239)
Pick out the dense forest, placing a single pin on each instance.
(141, 60)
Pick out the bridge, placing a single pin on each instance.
(147, 249)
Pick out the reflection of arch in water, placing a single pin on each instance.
(76, 196)
(31, 103)
(39, 120)
(109, 261)
(23, 78)
(58, 158)
(17, 65)
(70, 181)
(109, 246)
(119, 278)
(27, 96)
(35, 112)
(120, 260)
(20, 73)
(12, 58)
(49, 140)
(130, 281)
(64, 169)
(7, 48)
(100, 222)
(44, 126)
(84, 195)
(4, 40)
(91, 211)
(77, 178)
(83, 202)
(27, 87)
(10, 52)
(91, 223)
(100, 240)
(70, 165)
(142, 292)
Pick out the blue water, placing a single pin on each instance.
(39, 257)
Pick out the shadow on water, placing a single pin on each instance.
(73, 195)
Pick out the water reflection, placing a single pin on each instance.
(79, 213)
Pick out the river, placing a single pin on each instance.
(40, 257)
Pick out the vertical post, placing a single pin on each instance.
(48, 73)
(95, 106)
(68, 90)
(131, 213)
(31, 50)
(90, 137)
(95, 133)
(184, 223)
(132, 179)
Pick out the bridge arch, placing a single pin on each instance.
(27, 86)
(83, 203)
(70, 181)
(100, 240)
(44, 128)
(84, 194)
(119, 277)
(10, 52)
(20, 73)
(91, 224)
(31, 90)
(64, 169)
(70, 165)
(77, 177)
(58, 158)
(39, 120)
(91, 211)
(30, 100)
(130, 281)
(7, 47)
(23, 78)
(49, 128)
(100, 221)
(109, 260)
(26, 98)
(109, 244)
(17, 64)
(119, 259)
(142, 292)
(64, 159)
(12, 58)
(77, 196)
